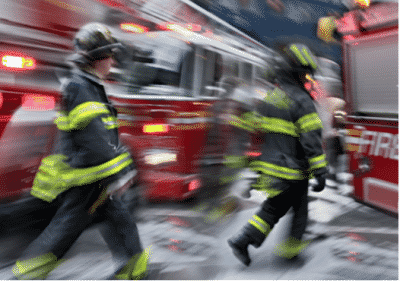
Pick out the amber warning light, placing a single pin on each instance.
(155, 128)
(17, 62)
(134, 28)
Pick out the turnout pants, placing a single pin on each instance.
(294, 194)
(282, 195)
(72, 211)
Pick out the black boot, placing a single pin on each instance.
(239, 244)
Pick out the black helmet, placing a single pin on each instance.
(92, 42)
(293, 60)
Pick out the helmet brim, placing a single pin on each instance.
(103, 52)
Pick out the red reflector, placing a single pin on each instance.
(155, 128)
(18, 62)
(38, 102)
(193, 185)
(253, 153)
(194, 27)
(1, 100)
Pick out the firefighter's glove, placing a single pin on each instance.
(321, 180)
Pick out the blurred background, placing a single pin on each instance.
(189, 71)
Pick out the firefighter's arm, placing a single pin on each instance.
(309, 127)
(89, 121)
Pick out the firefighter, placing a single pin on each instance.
(87, 179)
(292, 153)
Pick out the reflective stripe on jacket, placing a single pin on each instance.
(55, 177)
(89, 143)
(291, 130)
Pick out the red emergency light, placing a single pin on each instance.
(193, 27)
(134, 28)
(16, 62)
(194, 184)
(36, 102)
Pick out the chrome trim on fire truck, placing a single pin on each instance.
(372, 118)
(190, 120)
(152, 97)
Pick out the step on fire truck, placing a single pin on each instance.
(370, 77)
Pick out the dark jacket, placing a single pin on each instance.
(287, 120)
(89, 144)
(94, 138)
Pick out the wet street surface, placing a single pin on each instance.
(188, 241)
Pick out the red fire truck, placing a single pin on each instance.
(370, 76)
(176, 107)
(171, 101)
(36, 37)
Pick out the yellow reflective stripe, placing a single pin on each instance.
(80, 116)
(36, 268)
(240, 123)
(51, 181)
(88, 175)
(309, 58)
(318, 162)
(277, 125)
(260, 220)
(307, 118)
(234, 161)
(276, 171)
(290, 248)
(110, 122)
(298, 54)
(260, 224)
(136, 268)
(309, 123)
(259, 227)
(317, 159)
(140, 269)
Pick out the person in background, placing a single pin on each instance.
(287, 120)
(86, 180)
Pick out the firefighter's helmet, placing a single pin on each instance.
(94, 41)
(292, 60)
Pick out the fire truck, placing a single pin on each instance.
(177, 101)
(36, 37)
(171, 95)
(370, 77)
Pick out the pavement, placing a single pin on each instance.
(188, 241)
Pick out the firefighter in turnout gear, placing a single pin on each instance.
(287, 120)
(87, 178)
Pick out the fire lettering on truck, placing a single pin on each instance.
(373, 143)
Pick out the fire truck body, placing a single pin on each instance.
(30, 54)
(168, 126)
(176, 117)
(36, 37)
(370, 47)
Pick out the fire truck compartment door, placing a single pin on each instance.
(374, 73)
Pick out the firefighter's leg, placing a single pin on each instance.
(260, 225)
(25, 212)
(71, 218)
(292, 246)
(122, 237)
(249, 235)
